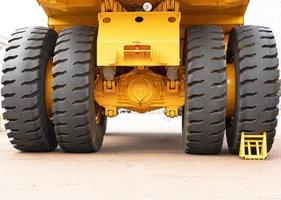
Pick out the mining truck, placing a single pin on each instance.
(194, 59)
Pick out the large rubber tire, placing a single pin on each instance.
(205, 103)
(74, 105)
(24, 73)
(253, 51)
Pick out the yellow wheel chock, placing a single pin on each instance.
(253, 147)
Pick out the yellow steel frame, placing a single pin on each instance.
(156, 40)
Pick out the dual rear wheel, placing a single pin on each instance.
(78, 123)
(252, 52)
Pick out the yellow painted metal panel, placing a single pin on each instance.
(58, 7)
(153, 42)
(190, 9)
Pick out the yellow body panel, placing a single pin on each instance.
(125, 42)
(227, 13)
(156, 41)
(92, 7)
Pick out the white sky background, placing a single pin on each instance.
(20, 13)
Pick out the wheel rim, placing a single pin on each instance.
(48, 88)
(231, 90)
(98, 113)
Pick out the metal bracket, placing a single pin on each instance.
(111, 111)
(172, 111)
(109, 86)
(168, 5)
(172, 86)
(111, 6)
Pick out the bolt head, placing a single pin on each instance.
(147, 6)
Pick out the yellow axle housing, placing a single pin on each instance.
(140, 90)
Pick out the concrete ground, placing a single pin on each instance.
(141, 158)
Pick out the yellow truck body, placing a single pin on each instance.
(158, 38)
